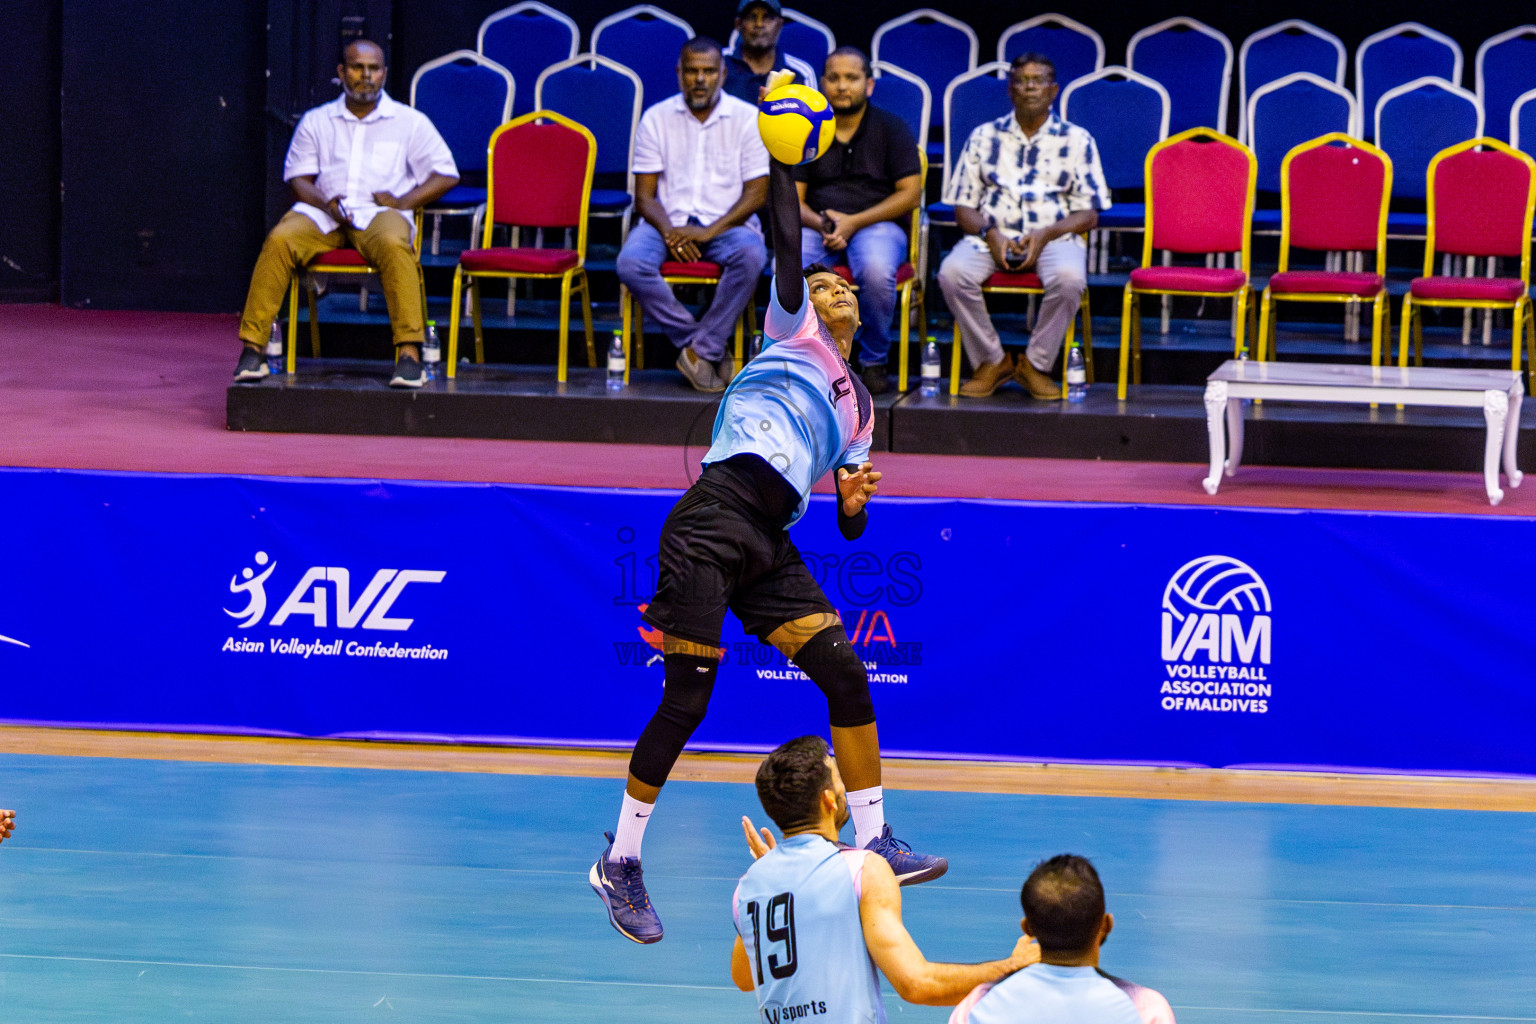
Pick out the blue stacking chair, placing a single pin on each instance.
(1285, 113)
(1413, 122)
(970, 101)
(467, 97)
(602, 96)
(931, 45)
(905, 95)
(1194, 63)
(1073, 47)
(525, 39)
(1280, 50)
(1127, 114)
(1401, 54)
(1522, 123)
(1506, 70)
(647, 40)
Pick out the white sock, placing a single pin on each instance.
(868, 808)
(633, 816)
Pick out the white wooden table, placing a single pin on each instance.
(1498, 392)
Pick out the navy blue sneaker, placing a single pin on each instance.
(911, 868)
(622, 888)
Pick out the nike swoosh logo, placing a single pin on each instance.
(639, 815)
(878, 800)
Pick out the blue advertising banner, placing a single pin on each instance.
(1082, 632)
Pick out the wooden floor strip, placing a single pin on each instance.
(1230, 785)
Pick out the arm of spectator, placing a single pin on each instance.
(679, 243)
(428, 192)
(915, 978)
(973, 222)
(304, 191)
(893, 207)
(754, 193)
(808, 217)
(1071, 224)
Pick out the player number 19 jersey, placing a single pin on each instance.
(797, 911)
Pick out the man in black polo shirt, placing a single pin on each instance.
(757, 54)
(855, 198)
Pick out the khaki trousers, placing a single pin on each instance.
(295, 241)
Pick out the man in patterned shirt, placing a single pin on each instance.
(1024, 190)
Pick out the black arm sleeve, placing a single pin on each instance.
(851, 527)
(784, 221)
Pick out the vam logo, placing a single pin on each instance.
(311, 596)
(1217, 607)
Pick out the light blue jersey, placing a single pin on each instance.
(797, 405)
(797, 910)
(1050, 994)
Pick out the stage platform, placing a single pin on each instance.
(149, 392)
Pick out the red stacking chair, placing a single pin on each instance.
(1199, 201)
(337, 261)
(539, 176)
(1008, 282)
(1480, 198)
(1333, 198)
(676, 272)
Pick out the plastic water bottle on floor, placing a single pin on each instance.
(431, 353)
(1077, 375)
(928, 385)
(275, 349)
(616, 364)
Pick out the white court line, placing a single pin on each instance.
(1355, 1013)
(364, 974)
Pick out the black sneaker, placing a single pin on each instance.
(407, 373)
(252, 365)
(874, 377)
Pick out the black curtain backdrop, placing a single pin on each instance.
(144, 140)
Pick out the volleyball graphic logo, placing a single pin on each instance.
(1215, 583)
(796, 123)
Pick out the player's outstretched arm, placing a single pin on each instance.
(784, 219)
(916, 979)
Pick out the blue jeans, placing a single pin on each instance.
(874, 253)
(741, 255)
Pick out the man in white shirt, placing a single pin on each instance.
(701, 172)
(358, 166)
(1064, 910)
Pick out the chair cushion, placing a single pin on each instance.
(458, 196)
(1484, 289)
(506, 260)
(1011, 279)
(904, 273)
(1266, 221)
(339, 258)
(698, 268)
(1188, 279)
(1123, 215)
(1322, 282)
(608, 200)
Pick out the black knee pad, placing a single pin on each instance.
(834, 666)
(689, 682)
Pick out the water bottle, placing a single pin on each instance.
(1242, 357)
(929, 377)
(275, 349)
(1077, 375)
(431, 353)
(616, 363)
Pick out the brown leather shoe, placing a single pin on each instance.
(1036, 383)
(988, 378)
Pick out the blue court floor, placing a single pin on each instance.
(156, 891)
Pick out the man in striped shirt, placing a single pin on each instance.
(1025, 189)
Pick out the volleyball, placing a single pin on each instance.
(796, 123)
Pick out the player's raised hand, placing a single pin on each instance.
(7, 823)
(759, 840)
(856, 488)
(775, 79)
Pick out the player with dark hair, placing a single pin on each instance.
(790, 416)
(1064, 909)
(815, 918)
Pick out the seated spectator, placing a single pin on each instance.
(855, 198)
(7, 824)
(359, 166)
(1064, 911)
(1024, 189)
(757, 53)
(701, 172)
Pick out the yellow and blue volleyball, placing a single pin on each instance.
(796, 123)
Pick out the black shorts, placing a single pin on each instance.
(716, 557)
